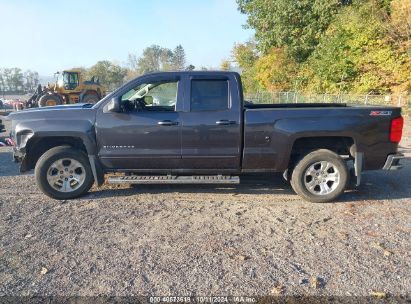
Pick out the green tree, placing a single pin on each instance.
(276, 71)
(400, 24)
(110, 74)
(226, 65)
(246, 56)
(7, 79)
(2, 81)
(295, 24)
(133, 69)
(154, 58)
(190, 67)
(14, 79)
(400, 34)
(31, 80)
(353, 55)
(178, 59)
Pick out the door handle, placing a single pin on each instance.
(225, 122)
(167, 123)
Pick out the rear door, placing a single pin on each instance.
(211, 130)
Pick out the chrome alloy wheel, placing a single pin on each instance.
(66, 175)
(321, 178)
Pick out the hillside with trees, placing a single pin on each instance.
(314, 46)
(15, 80)
(154, 58)
(111, 74)
(327, 46)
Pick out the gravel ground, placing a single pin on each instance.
(257, 238)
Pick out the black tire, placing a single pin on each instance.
(90, 98)
(50, 100)
(43, 167)
(302, 177)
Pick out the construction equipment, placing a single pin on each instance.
(70, 87)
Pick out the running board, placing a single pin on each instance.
(173, 179)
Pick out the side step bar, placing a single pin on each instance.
(174, 179)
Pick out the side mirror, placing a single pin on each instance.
(114, 105)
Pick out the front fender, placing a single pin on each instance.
(27, 132)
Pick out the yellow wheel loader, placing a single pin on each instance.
(70, 87)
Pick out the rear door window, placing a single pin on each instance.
(209, 95)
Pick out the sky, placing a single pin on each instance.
(47, 36)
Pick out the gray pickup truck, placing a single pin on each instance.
(194, 127)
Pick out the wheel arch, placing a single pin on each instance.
(37, 146)
(342, 145)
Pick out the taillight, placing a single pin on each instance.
(396, 129)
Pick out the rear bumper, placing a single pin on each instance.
(393, 162)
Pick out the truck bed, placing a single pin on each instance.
(271, 131)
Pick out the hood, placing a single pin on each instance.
(51, 112)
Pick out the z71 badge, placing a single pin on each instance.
(380, 113)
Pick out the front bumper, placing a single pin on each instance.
(393, 162)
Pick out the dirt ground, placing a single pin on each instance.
(257, 238)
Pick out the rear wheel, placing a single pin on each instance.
(320, 176)
(50, 100)
(90, 98)
(64, 173)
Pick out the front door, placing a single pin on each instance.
(146, 135)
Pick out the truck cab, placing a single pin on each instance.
(173, 123)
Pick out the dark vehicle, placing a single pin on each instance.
(193, 127)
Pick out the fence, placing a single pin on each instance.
(403, 100)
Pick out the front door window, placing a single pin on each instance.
(146, 134)
(153, 96)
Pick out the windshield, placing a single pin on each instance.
(68, 80)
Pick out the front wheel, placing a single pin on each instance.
(64, 173)
(90, 98)
(320, 176)
(50, 100)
